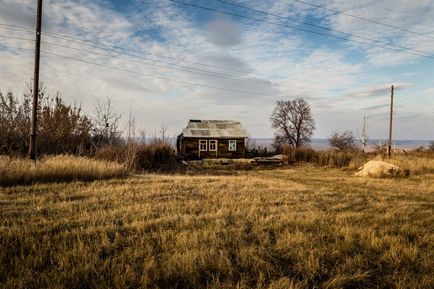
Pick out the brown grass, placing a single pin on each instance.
(301, 228)
(61, 168)
(416, 163)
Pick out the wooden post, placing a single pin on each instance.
(32, 145)
(389, 147)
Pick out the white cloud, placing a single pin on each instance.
(272, 62)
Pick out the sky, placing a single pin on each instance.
(166, 62)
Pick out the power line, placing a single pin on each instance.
(140, 73)
(16, 37)
(92, 43)
(319, 26)
(180, 67)
(364, 19)
(126, 59)
(137, 72)
(407, 100)
(201, 72)
(397, 49)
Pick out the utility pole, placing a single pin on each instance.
(32, 146)
(389, 147)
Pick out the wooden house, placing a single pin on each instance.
(203, 139)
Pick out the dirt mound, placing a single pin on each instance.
(378, 169)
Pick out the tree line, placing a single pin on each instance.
(65, 129)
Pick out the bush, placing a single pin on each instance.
(342, 141)
(302, 154)
(158, 156)
(62, 129)
(328, 158)
(155, 156)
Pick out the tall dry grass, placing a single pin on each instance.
(416, 163)
(60, 168)
(298, 228)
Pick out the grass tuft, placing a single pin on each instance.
(61, 168)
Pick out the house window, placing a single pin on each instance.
(213, 145)
(232, 145)
(202, 145)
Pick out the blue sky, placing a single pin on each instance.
(166, 62)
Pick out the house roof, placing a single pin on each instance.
(214, 128)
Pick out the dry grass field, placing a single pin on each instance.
(60, 168)
(303, 227)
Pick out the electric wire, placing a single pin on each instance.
(397, 49)
(364, 19)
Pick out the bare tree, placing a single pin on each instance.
(431, 145)
(106, 124)
(163, 131)
(362, 134)
(293, 122)
(342, 141)
(132, 146)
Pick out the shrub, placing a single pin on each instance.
(157, 156)
(302, 154)
(342, 141)
(327, 158)
(62, 129)
(154, 156)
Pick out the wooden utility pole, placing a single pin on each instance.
(389, 147)
(32, 146)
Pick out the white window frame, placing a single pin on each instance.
(234, 148)
(201, 142)
(214, 143)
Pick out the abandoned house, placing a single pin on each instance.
(203, 139)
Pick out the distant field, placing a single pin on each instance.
(304, 227)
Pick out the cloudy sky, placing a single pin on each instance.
(167, 62)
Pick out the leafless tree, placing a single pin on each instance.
(362, 134)
(431, 145)
(293, 122)
(132, 146)
(163, 131)
(106, 124)
(250, 143)
(342, 141)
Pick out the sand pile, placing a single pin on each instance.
(378, 169)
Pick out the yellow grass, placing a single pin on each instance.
(414, 163)
(300, 228)
(59, 168)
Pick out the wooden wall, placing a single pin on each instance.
(189, 147)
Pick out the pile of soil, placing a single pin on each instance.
(379, 169)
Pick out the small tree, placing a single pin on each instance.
(293, 122)
(343, 141)
(106, 124)
(431, 145)
(363, 135)
(63, 128)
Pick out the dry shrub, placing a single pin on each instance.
(61, 168)
(154, 156)
(329, 158)
(341, 159)
(303, 154)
